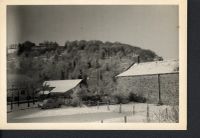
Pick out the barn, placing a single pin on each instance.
(157, 81)
(60, 87)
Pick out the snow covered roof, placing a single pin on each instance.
(150, 68)
(62, 86)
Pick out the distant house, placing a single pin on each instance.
(157, 81)
(60, 87)
(12, 48)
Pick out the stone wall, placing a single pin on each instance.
(147, 86)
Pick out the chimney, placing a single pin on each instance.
(138, 59)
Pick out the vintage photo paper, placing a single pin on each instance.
(91, 65)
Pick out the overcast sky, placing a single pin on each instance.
(148, 27)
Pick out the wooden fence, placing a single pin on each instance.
(21, 96)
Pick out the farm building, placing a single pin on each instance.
(60, 87)
(157, 81)
(12, 48)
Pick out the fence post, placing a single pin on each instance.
(148, 119)
(18, 97)
(97, 104)
(28, 101)
(133, 109)
(166, 113)
(28, 97)
(120, 108)
(108, 108)
(33, 95)
(79, 104)
(125, 119)
(33, 99)
(11, 106)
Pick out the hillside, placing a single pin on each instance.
(96, 62)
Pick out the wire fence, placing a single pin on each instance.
(147, 113)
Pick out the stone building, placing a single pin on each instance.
(157, 81)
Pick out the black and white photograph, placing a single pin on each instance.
(95, 64)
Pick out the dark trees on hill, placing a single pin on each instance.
(49, 43)
(101, 61)
(26, 46)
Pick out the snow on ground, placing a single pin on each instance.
(63, 111)
(134, 112)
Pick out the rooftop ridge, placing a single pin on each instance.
(154, 67)
(167, 60)
(64, 80)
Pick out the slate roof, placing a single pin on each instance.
(61, 86)
(151, 68)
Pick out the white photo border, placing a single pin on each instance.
(182, 125)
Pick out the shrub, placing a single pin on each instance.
(120, 98)
(75, 102)
(175, 114)
(81, 92)
(136, 98)
(106, 99)
(167, 115)
(92, 98)
(112, 100)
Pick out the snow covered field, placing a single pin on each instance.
(129, 113)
